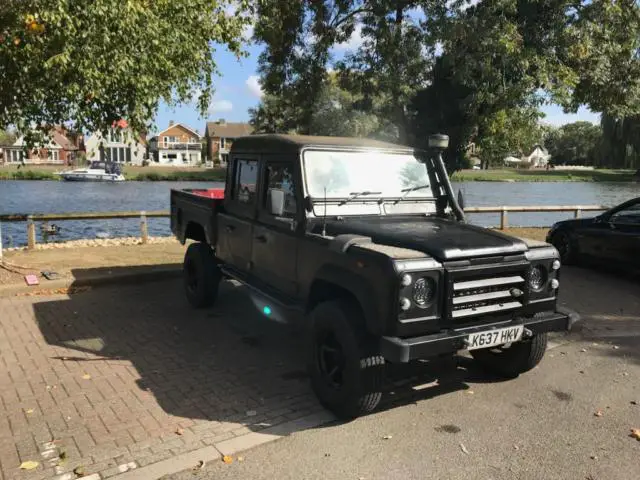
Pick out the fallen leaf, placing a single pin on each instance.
(241, 459)
(598, 413)
(583, 350)
(86, 376)
(30, 411)
(470, 392)
(179, 431)
(200, 465)
(594, 457)
(625, 374)
(79, 471)
(635, 433)
(516, 447)
(464, 449)
(616, 347)
(29, 465)
(387, 437)
(227, 459)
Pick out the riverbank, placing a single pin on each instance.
(512, 175)
(81, 259)
(133, 173)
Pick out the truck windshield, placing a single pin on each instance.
(389, 175)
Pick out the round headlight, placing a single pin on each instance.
(556, 265)
(406, 280)
(405, 304)
(424, 290)
(538, 278)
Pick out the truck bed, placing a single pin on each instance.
(193, 213)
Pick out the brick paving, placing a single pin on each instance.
(120, 378)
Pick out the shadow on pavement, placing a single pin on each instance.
(224, 364)
(609, 304)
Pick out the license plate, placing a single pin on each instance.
(492, 338)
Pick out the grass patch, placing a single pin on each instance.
(22, 174)
(508, 175)
(140, 174)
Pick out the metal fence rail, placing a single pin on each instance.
(31, 219)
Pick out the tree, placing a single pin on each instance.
(620, 146)
(89, 64)
(571, 53)
(575, 143)
(7, 137)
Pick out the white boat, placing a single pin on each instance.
(96, 172)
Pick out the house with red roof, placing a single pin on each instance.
(61, 148)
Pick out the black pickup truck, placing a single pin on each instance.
(365, 242)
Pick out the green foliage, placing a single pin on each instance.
(620, 147)
(27, 175)
(574, 144)
(89, 64)
(7, 137)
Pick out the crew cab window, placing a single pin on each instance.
(245, 179)
(629, 215)
(279, 178)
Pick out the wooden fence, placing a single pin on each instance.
(144, 215)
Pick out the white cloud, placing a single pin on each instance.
(253, 83)
(354, 41)
(220, 106)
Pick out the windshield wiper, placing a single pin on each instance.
(407, 191)
(354, 195)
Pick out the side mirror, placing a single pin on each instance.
(461, 199)
(276, 205)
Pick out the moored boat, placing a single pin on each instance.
(96, 172)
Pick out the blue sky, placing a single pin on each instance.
(237, 90)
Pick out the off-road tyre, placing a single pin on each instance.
(509, 362)
(201, 275)
(356, 388)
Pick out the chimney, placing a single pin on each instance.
(171, 123)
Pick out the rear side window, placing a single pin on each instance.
(245, 180)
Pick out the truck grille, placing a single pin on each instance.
(483, 296)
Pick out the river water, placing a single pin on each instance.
(59, 197)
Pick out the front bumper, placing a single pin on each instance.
(399, 350)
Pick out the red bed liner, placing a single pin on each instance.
(217, 193)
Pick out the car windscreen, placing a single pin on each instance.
(384, 174)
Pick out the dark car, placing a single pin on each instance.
(612, 238)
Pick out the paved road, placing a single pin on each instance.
(450, 421)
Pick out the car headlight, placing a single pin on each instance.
(538, 278)
(424, 290)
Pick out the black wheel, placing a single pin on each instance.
(563, 243)
(345, 365)
(201, 275)
(513, 359)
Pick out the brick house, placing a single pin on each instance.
(118, 145)
(220, 136)
(177, 145)
(61, 149)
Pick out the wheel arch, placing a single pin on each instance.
(335, 283)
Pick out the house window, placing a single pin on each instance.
(128, 150)
(246, 176)
(53, 155)
(222, 142)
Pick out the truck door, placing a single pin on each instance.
(275, 234)
(235, 226)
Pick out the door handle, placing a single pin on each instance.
(229, 228)
(261, 238)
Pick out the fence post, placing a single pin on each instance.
(31, 233)
(144, 231)
(577, 213)
(503, 219)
